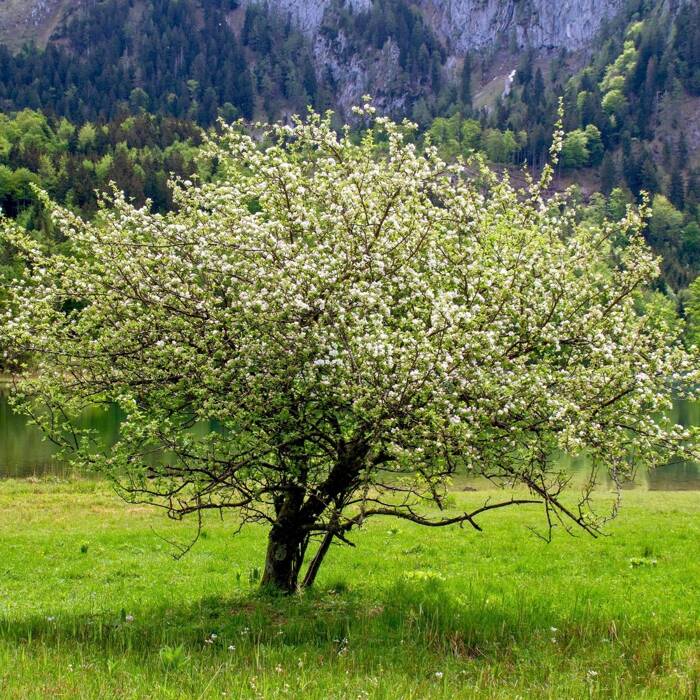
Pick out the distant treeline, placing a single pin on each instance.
(141, 153)
(181, 58)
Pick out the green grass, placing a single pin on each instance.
(92, 605)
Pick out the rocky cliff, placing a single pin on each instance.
(458, 25)
(28, 20)
(472, 24)
(307, 14)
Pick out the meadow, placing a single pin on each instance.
(93, 605)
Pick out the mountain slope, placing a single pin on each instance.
(461, 24)
(467, 24)
(24, 21)
(400, 51)
(200, 59)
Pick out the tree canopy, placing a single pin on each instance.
(361, 322)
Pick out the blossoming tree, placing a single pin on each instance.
(363, 322)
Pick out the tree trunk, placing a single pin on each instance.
(316, 562)
(286, 547)
(297, 511)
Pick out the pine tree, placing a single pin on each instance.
(692, 195)
(435, 73)
(538, 87)
(466, 82)
(648, 177)
(609, 176)
(676, 193)
(682, 151)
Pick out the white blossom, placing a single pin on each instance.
(336, 308)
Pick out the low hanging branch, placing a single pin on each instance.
(334, 330)
(456, 520)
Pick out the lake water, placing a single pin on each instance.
(23, 452)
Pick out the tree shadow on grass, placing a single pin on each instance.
(412, 614)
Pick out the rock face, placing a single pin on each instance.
(542, 24)
(472, 24)
(355, 75)
(459, 25)
(25, 20)
(306, 14)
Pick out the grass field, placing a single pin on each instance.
(92, 605)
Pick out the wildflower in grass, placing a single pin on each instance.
(232, 647)
(129, 618)
(439, 674)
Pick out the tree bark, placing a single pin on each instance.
(296, 512)
(316, 562)
(286, 547)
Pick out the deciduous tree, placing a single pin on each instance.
(363, 325)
